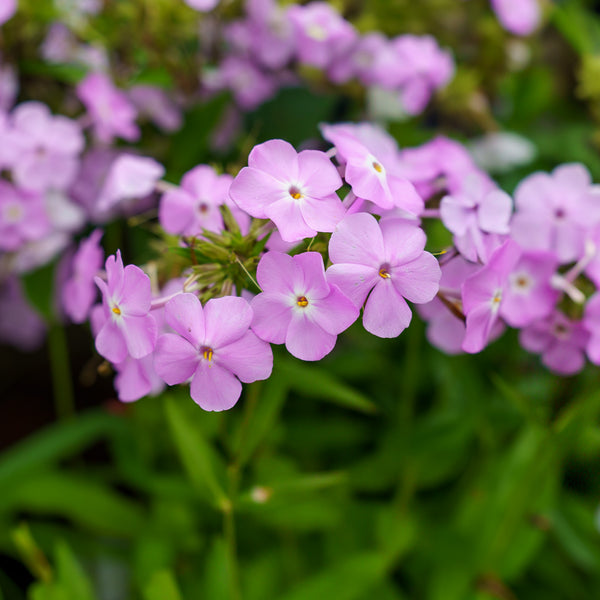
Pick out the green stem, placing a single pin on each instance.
(62, 386)
(230, 540)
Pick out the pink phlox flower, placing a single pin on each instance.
(47, 147)
(79, 292)
(439, 165)
(202, 5)
(322, 34)
(483, 294)
(561, 342)
(521, 17)
(194, 206)
(445, 330)
(296, 191)
(136, 378)
(112, 113)
(129, 177)
(155, 104)
(373, 176)
(385, 264)
(129, 328)
(214, 347)
(478, 210)
(555, 212)
(422, 67)
(529, 295)
(23, 217)
(9, 89)
(7, 9)
(20, 324)
(298, 306)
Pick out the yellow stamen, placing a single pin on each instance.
(116, 310)
(207, 354)
(383, 272)
(377, 167)
(295, 193)
(302, 301)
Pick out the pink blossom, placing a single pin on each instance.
(47, 147)
(7, 9)
(22, 217)
(194, 206)
(561, 342)
(79, 292)
(298, 306)
(385, 261)
(296, 191)
(129, 329)
(520, 17)
(112, 113)
(154, 103)
(213, 347)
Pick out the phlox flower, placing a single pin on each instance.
(23, 217)
(483, 294)
(561, 342)
(555, 211)
(129, 328)
(296, 191)
(194, 206)
(372, 175)
(520, 17)
(47, 147)
(112, 113)
(7, 10)
(385, 264)
(79, 292)
(214, 347)
(298, 306)
(478, 210)
(155, 104)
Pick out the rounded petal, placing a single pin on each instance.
(322, 214)
(287, 215)
(494, 212)
(405, 195)
(335, 313)
(306, 340)
(214, 388)
(184, 315)
(175, 359)
(140, 334)
(479, 326)
(357, 239)
(317, 173)
(272, 316)
(355, 281)
(137, 292)
(313, 272)
(253, 190)
(402, 241)
(110, 342)
(227, 319)
(418, 280)
(249, 358)
(454, 214)
(176, 211)
(386, 313)
(277, 158)
(278, 272)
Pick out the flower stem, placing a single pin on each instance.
(62, 386)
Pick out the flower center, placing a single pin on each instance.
(377, 166)
(496, 300)
(561, 331)
(116, 310)
(302, 301)
(317, 32)
(207, 353)
(13, 213)
(203, 208)
(384, 272)
(559, 213)
(295, 193)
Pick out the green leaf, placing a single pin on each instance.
(201, 463)
(71, 574)
(319, 383)
(162, 586)
(39, 289)
(348, 580)
(54, 443)
(84, 502)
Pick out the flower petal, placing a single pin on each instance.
(355, 281)
(317, 174)
(386, 312)
(335, 313)
(184, 315)
(227, 319)
(357, 239)
(175, 359)
(322, 214)
(277, 158)
(287, 215)
(249, 358)
(418, 280)
(402, 241)
(306, 340)
(272, 316)
(140, 334)
(110, 342)
(214, 388)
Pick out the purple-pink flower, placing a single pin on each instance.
(129, 329)
(214, 347)
(79, 292)
(298, 306)
(520, 17)
(194, 206)
(385, 261)
(296, 191)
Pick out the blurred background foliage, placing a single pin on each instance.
(386, 471)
